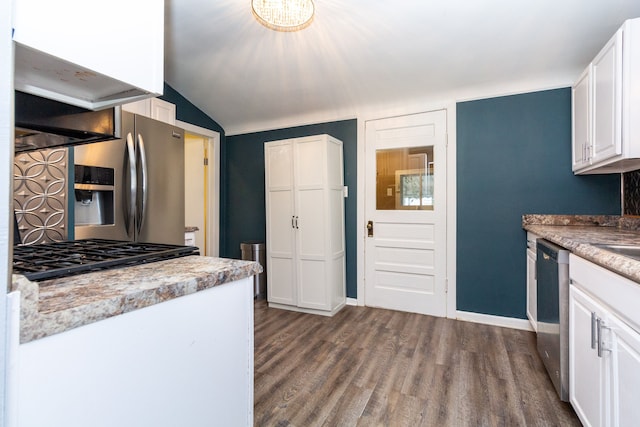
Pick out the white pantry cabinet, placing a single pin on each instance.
(605, 100)
(87, 54)
(305, 224)
(604, 346)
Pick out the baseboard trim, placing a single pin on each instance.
(352, 301)
(488, 319)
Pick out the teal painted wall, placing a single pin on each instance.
(189, 113)
(514, 158)
(244, 181)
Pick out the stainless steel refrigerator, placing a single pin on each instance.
(132, 188)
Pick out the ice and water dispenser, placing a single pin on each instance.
(94, 195)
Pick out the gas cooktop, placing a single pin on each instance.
(61, 259)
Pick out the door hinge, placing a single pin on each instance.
(206, 161)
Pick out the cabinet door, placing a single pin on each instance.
(607, 100)
(280, 223)
(625, 374)
(311, 229)
(532, 297)
(586, 369)
(581, 121)
(162, 110)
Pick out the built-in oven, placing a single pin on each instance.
(552, 271)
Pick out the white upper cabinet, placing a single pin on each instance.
(93, 55)
(153, 108)
(605, 98)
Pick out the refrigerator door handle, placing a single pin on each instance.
(142, 209)
(133, 187)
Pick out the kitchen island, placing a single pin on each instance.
(163, 344)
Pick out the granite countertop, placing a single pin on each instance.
(53, 306)
(579, 233)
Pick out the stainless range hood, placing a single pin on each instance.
(43, 123)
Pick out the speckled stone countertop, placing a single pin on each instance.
(54, 306)
(579, 233)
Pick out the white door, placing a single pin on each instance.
(405, 247)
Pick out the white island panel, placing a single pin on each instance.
(187, 361)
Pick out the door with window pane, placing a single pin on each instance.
(405, 248)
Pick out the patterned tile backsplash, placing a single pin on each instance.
(632, 193)
(40, 195)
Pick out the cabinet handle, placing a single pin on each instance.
(587, 152)
(588, 146)
(297, 223)
(594, 321)
(601, 326)
(292, 220)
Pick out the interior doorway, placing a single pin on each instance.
(202, 186)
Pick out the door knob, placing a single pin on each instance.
(370, 229)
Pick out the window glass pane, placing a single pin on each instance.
(404, 178)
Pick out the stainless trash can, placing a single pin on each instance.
(255, 251)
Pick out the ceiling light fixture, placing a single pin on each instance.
(283, 15)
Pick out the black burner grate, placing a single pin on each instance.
(61, 259)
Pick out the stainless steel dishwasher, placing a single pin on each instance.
(552, 270)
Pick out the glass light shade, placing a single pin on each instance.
(283, 15)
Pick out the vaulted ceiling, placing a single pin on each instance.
(358, 54)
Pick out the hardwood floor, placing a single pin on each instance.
(374, 367)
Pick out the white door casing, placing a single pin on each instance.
(405, 260)
(209, 213)
(195, 196)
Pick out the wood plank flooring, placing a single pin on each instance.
(374, 367)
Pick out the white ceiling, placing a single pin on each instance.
(362, 53)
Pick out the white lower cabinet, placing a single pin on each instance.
(604, 346)
(532, 284)
(305, 224)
